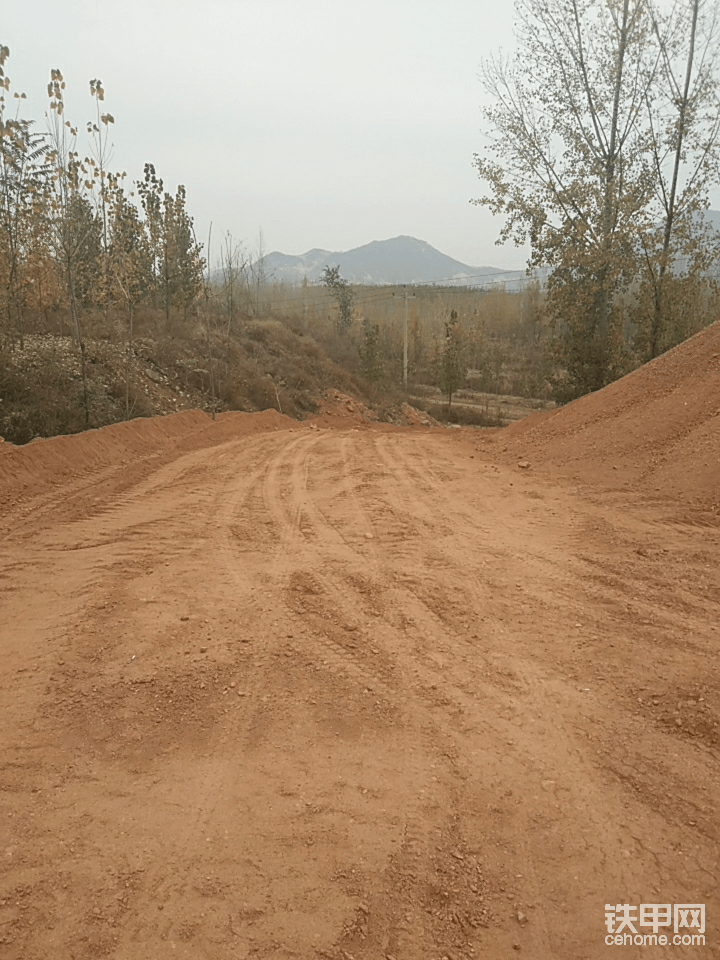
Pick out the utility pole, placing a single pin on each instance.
(405, 339)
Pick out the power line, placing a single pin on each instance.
(480, 276)
(326, 297)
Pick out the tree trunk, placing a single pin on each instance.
(81, 342)
(128, 360)
(608, 199)
(657, 321)
(210, 360)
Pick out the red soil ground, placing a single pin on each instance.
(345, 690)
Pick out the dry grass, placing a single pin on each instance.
(259, 365)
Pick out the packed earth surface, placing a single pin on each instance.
(339, 689)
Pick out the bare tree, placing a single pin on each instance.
(257, 272)
(604, 130)
(99, 132)
(451, 364)
(22, 155)
(566, 164)
(233, 268)
(684, 145)
(129, 262)
(71, 224)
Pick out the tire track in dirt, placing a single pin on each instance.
(323, 546)
(200, 808)
(260, 707)
(311, 542)
(228, 505)
(292, 548)
(416, 875)
(412, 765)
(342, 640)
(253, 711)
(499, 722)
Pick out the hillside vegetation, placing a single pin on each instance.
(109, 309)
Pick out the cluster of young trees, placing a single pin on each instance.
(72, 237)
(466, 342)
(604, 130)
(369, 347)
(492, 340)
(451, 358)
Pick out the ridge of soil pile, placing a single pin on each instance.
(336, 404)
(657, 429)
(44, 463)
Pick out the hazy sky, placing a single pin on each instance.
(325, 124)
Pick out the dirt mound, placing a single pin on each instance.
(412, 416)
(336, 404)
(45, 463)
(263, 364)
(658, 428)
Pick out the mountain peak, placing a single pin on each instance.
(398, 260)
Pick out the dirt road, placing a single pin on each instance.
(351, 693)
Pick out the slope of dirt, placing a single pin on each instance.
(263, 364)
(657, 429)
(351, 410)
(42, 464)
(273, 690)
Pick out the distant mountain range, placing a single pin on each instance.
(403, 260)
(396, 261)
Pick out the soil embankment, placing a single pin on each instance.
(656, 430)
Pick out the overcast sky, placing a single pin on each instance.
(325, 124)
